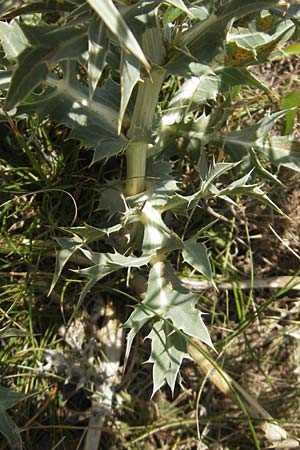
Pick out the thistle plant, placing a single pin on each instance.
(98, 67)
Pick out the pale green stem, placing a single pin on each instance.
(144, 110)
(141, 123)
(136, 167)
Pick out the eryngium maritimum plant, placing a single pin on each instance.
(128, 50)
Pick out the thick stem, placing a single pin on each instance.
(141, 123)
(144, 110)
(136, 167)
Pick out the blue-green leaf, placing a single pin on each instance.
(90, 234)
(32, 70)
(156, 233)
(68, 247)
(51, 45)
(205, 39)
(180, 5)
(112, 18)
(98, 48)
(264, 173)
(94, 274)
(10, 430)
(168, 299)
(251, 190)
(215, 171)
(233, 76)
(195, 254)
(198, 89)
(13, 39)
(130, 75)
(5, 78)
(103, 264)
(279, 150)
(94, 123)
(9, 398)
(168, 349)
(247, 46)
(115, 259)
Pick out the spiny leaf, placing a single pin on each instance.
(51, 46)
(180, 5)
(239, 183)
(258, 193)
(167, 298)
(264, 173)
(181, 203)
(24, 81)
(93, 274)
(195, 254)
(246, 47)
(168, 349)
(90, 234)
(117, 259)
(161, 183)
(5, 78)
(233, 76)
(106, 148)
(111, 198)
(279, 150)
(8, 397)
(110, 15)
(205, 39)
(12, 38)
(195, 91)
(68, 247)
(156, 233)
(182, 307)
(94, 123)
(103, 265)
(215, 171)
(240, 187)
(130, 75)
(98, 48)
(10, 430)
